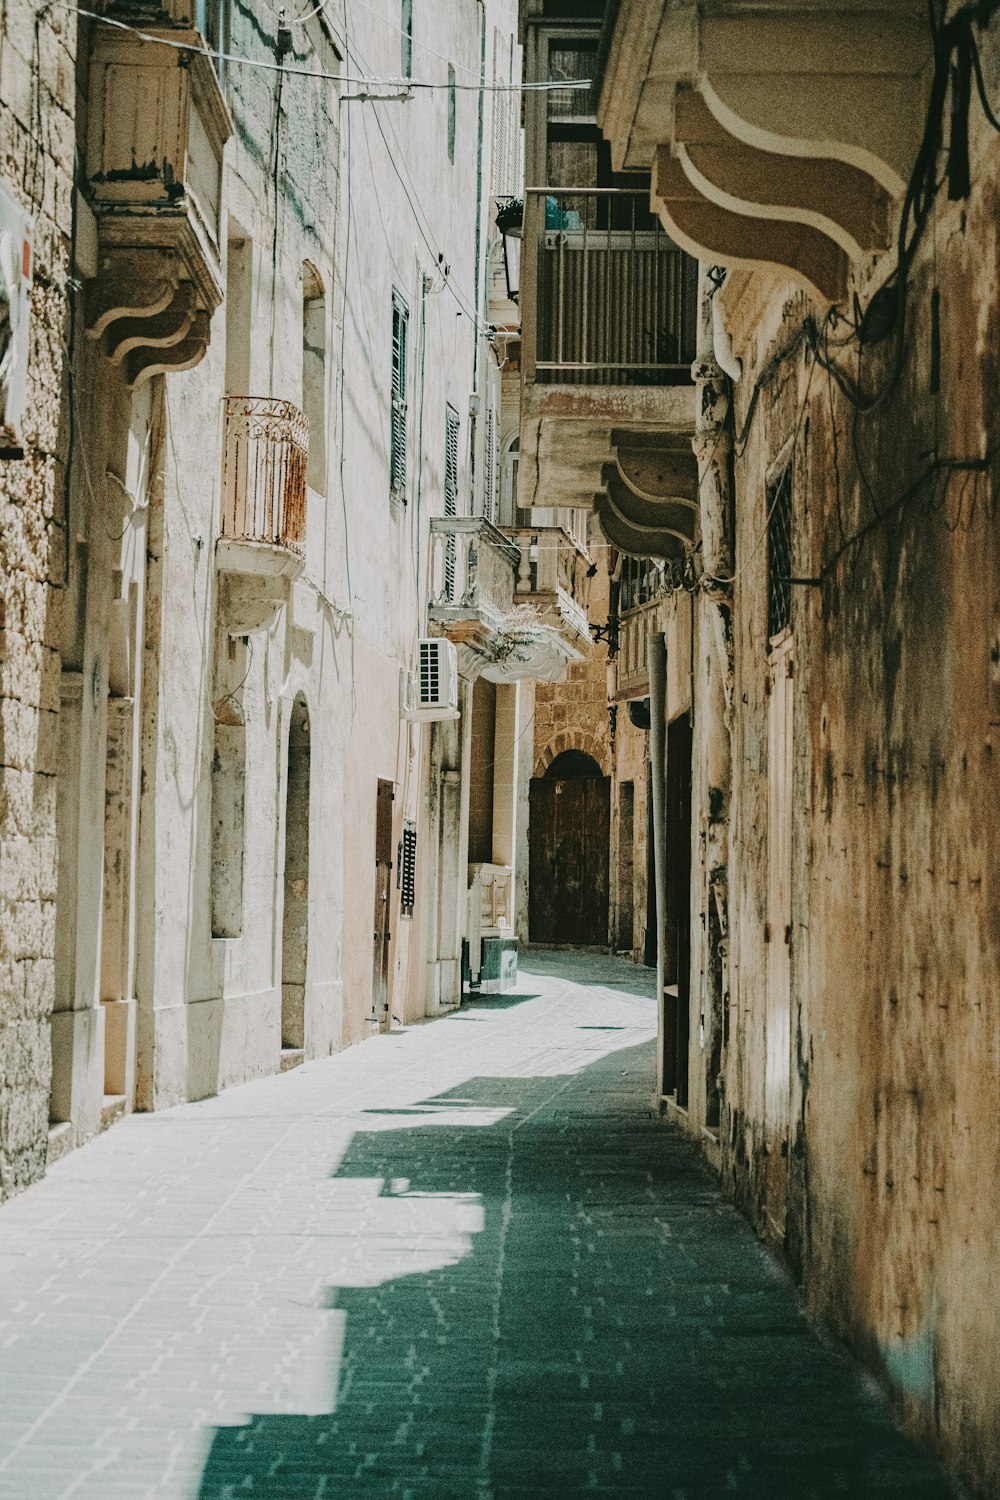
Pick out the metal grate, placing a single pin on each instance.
(779, 554)
(397, 447)
(430, 674)
(408, 869)
(617, 300)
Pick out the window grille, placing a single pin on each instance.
(451, 432)
(779, 554)
(397, 449)
(407, 876)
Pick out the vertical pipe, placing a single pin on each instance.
(656, 662)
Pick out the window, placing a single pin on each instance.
(406, 39)
(397, 442)
(407, 877)
(779, 554)
(314, 373)
(452, 112)
(490, 468)
(508, 484)
(451, 430)
(212, 20)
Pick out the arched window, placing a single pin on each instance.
(314, 372)
(508, 482)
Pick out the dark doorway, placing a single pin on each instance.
(383, 885)
(569, 836)
(677, 939)
(626, 867)
(295, 922)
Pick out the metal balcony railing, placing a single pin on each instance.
(610, 298)
(265, 454)
(473, 569)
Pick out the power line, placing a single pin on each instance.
(403, 85)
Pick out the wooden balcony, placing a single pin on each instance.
(157, 126)
(263, 514)
(552, 576)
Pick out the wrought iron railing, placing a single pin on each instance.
(265, 456)
(612, 300)
(473, 567)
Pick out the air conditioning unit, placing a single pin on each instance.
(430, 692)
(15, 312)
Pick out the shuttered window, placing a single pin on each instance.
(397, 442)
(451, 431)
(490, 466)
(408, 869)
(406, 38)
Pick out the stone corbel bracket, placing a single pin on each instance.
(157, 128)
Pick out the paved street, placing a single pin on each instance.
(459, 1261)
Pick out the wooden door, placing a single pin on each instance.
(777, 1071)
(570, 824)
(383, 886)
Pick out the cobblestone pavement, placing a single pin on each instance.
(460, 1261)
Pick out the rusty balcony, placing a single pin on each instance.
(263, 513)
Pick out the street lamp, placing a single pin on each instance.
(510, 222)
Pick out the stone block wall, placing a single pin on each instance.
(37, 69)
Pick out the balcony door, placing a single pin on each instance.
(383, 886)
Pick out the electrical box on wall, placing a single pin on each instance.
(15, 313)
(430, 693)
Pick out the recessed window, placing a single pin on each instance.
(406, 39)
(779, 554)
(397, 439)
(452, 112)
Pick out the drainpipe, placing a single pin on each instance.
(656, 663)
(480, 302)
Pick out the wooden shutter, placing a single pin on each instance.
(397, 454)
(451, 428)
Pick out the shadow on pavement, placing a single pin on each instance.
(601, 1323)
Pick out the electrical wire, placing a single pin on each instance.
(239, 59)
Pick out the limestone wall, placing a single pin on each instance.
(859, 1127)
(37, 74)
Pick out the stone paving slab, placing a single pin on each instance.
(462, 1261)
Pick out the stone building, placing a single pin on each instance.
(817, 664)
(268, 657)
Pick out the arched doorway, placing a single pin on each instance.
(569, 832)
(295, 923)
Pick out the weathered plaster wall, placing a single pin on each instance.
(882, 1187)
(36, 73)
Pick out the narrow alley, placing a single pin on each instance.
(464, 1260)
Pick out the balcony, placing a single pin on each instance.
(472, 601)
(473, 569)
(552, 576)
(649, 599)
(778, 139)
(263, 519)
(157, 126)
(609, 325)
